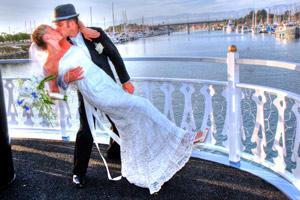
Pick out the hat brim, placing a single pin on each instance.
(65, 18)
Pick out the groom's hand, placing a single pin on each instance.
(74, 74)
(128, 87)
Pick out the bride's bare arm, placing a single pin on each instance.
(88, 33)
(53, 86)
(72, 75)
(51, 68)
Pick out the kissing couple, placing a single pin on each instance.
(152, 148)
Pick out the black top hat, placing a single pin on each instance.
(64, 12)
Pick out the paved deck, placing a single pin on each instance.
(43, 169)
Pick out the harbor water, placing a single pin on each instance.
(203, 44)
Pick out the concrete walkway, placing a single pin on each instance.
(44, 170)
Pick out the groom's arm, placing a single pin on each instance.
(111, 51)
(113, 54)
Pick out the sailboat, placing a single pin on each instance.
(288, 30)
(230, 27)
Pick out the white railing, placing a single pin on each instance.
(245, 121)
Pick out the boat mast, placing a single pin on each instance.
(113, 17)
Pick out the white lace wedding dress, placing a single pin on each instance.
(153, 148)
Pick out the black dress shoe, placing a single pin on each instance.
(78, 181)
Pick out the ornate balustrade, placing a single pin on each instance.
(246, 122)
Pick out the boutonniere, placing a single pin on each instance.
(98, 47)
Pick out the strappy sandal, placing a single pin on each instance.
(202, 137)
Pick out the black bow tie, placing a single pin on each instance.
(69, 40)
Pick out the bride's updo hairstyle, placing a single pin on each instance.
(37, 36)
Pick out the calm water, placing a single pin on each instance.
(213, 44)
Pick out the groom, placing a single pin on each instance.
(100, 50)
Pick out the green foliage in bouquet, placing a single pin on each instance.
(33, 94)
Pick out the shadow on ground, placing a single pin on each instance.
(44, 170)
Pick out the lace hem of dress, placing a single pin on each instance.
(177, 165)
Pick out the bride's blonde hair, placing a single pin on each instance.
(37, 36)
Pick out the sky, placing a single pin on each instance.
(21, 15)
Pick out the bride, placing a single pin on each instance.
(153, 148)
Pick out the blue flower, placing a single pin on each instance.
(20, 101)
(27, 108)
(34, 94)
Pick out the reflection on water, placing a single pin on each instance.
(19, 70)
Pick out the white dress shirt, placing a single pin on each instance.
(78, 41)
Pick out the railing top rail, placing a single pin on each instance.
(270, 63)
(157, 79)
(270, 90)
(179, 80)
(177, 59)
(14, 61)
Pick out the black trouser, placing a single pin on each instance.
(84, 141)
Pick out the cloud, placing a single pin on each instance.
(14, 13)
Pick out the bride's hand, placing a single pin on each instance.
(88, 33)
(74, 74)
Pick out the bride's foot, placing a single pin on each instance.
(200, 136)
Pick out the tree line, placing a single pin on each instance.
(261, 16)
(14, 37)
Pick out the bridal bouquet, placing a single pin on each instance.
(33, 94)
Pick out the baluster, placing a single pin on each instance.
(73, 114)
(260, 99)
(209, 92)
(168, 90)
(28, 115)
(60, 111)
(68, 115)
(188, 121)
(295, 157)
(11, 107)
(36, 118)
(147, 89)
(243, 134)
(44, 122)
(280, 104)
(208, 111)
(226, 122)
(213, 126)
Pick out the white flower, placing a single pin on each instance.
(99, 48)
(28, 101)
(27, 87)
(34, 95)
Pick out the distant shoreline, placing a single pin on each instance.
(20, 49)
(14, 50)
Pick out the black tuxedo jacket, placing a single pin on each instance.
(84, 138)
(109, 52)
